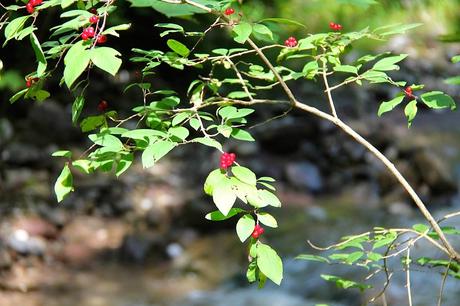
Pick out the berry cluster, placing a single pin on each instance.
(408, 92)
(30, 6)
(87, 33)
(226, 160)
(335, 26)
(31, 81)
(290, 42)
(102, 106)
(229, 11)
(258, 231)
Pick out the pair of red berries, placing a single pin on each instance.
(89, 32)
(290, 42)
(229, 11)
(93, 19)
(258, 231)
(31, 81)
(30, 6)
(335, 26)
(227, 159)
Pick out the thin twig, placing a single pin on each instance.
(328, 90)
(443, 283)
(409, 293)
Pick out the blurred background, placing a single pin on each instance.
(142, 240)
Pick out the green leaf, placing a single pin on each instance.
(155, 151)
(345, 283)
(143, 134)
(453, 80)
(83, 165)
(64, 184)
(77, 107)
(262, 30)
(410, 111)
(179, 118)
(38, 54)
(179, 9)
(269, 198)
(18, 95)
(63, 153)
(92, 122)
(313, 258)
(241, 32)
(225, 130)
(113, 30)
(209, 142)
(346, 68)
(283, 21)
(389, 105)
(353, 257)
(223, 195)
(106, 59)
(396, 29)
(108, 141)
(438, 99)
(241, 135)
(179, 132)
(267, 219)
(212, 180)
(245, 227)
(218, 216)
(178, 47)
(75, 62)
(388, 63)
(269, 263)
(251, 273)
(124, 163)
(421, 228)
(66, 3)
(245, 175)
(14, 26)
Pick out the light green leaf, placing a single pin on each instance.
(245, 175)
(75, 62)
(223, 195)
(269, 198)
(63, 153)
(66, 3)
(14, 27)
(438, 99)
(269, 263)
(212, 180)
(245, 227)
(389, 105)
(241, 32)
(106, 59)
(283, 21)
(241, 135)
(64, 184)
(113, 30)
(313, 258)
(154, 152)
(108, 141)
(124, 163)
(92, 122)
(210, 142)
(410, 111)
(388, 63)
(267, 219)
(262, 30)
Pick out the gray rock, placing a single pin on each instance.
(304, 175)
(20, 241)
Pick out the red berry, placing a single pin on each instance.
(290, 42)
(229, 11)
(338, 27)
(89, 31)
(332, 25)
(84, 36)
(408, 91)
(35, 2)
(28, 82)
(30, 8)
(258, 231)
(93, 19)
(101, 39)
(102, 106)
(93, 10)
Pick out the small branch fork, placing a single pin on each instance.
(294, 103)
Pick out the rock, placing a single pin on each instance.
(20, 241)
(304, 175)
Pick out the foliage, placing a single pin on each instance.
(216, 107)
